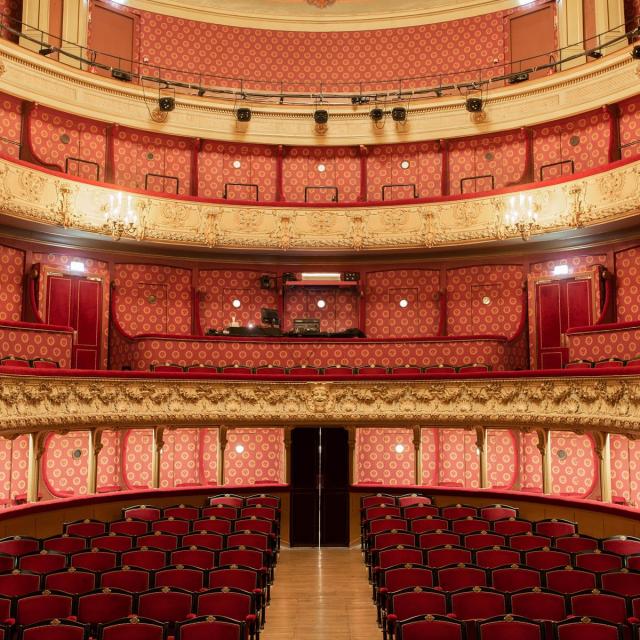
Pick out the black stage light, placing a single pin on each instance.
(201, 92)
(321, 116)
(288, 276)
(167, 103)
(46, 50)
(594, 53)
(243, 114)
(521, 76)
(474, 105)
(376, 114)
(399, 114)
(360, 99)
(265, 282)
(119, 74)
(635, 52)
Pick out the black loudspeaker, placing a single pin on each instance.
(167, 103)
(376, 114)
(473, 105)
(399, 114)
(321, 116)
(635, 53)
(265, 282)
(243, 114)
(119, 74)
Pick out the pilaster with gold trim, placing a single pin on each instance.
(481, 444)
(95, 446)
(602, 442)
(544, 447)
(222, 445)
(158, 443)
(36, 450)
(417, 452)
(351, 431)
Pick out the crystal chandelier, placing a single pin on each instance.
(118, 219)
(521, 219)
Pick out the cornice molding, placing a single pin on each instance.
(31, 403)
(568, 93)
(28, 195)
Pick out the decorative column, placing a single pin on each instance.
(544, 446)
(570, 32)
(35, 16)
(417, 451)
(95, 446)
(75, 23)
(481, 444)
(610, 23)
(158, 443)
(36, 449)
(603, 451)
(222, 445)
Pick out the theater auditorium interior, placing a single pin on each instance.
(319, 319)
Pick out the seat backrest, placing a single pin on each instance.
(128, 579)
(443, 556)
(112, 542)
(424, 525)
(470, 525)
(527, 542)
(142, 512)
(539, 605)
(19, 545)
(86, 528)
(387, 524)
(576, 543)
(40, 607)
(570, 580)
(402, 576)
(254, 524)
(210, 628)
(497, 557)
(508, 627)
(244, 578)
(512, 526)
(477, 603)
(71, 581)
(158, 540)
(438, 539)
(181, 512)
(181, 577)
(462, 577)
(586, 628)
(64, 543)
(19, 583)
(227, 499)
(414, 601)
(145, 558)
(255, 540)
(55, 630)
(515, 578)
(414, 499)
(396, 555)
(483, 540)
(43, 562)
(133, 628)
(495, 512)
(623, 545)
(598, 562)
(194, 557)
(546, 559)
(420, 511)
(458, 511)
(94, 560)
(392, 539)
(378, 499)
(229, 602)
(599, 604)
(171, 525)
(436, 627)
(129, 527)
(554, 528)
(204, 540)
(104, 605)
(165, 604)
(213, 524)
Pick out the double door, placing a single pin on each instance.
(319, 487)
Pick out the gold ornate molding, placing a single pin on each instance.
(590, 86)
(36, 404)
(38, 197)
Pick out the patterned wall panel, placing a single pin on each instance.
(14, 455)
(72, 143)
(93, 268)
(209, 455)
(627, 284)
(137, 456)
(599, 345)
(484, 299)
(584, 140)
(11, 270)
(385, 289)
(530, 463)
(239, 164)
(377, 459)
(429, 442)
(502, 459)
(474, 160)
(219, 288)
(630, 127)
(278, 57)
(179, 462)
(459, 461)
(573, 464)
(12, 9)
(576, 264)
(323, 170)
(260, 460)
(35, 343)
(10, 123)
(153, 298)
(110, 460)
(340, 309)
(625, 470)
(140, 156)
(65, 463)
(418, 164)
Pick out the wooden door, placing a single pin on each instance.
(532, 38)
(334, 488)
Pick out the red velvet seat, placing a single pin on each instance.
(539, 605)
(443, 556)
(220, 511)
(210, 628)
(150, 559)
(624, 583)
(433, 539)
(579, 364)
(373, 513)
(158, 540)
(483, 540)
(554, 528)
(64, 543)
(255, 540)
(528, 542)
(424, 525)
(19, 545)
(180, 577)
(94, 560)
(512, 526)
(509, 627)
(598, 562)
(104, 605)
(440, 368)
(622, 545)
(392, 539)
(172, 526)
(244, 578)
(340, 370)
(129, 527)
(42, 562)
(41, 607)
(477, 603)
(112, 542)
(608, 362)
(377, 500)
(226, 500)
(168, 367)
(387, 524)
(230, 603)
(545, 559)
(166, 605)
(133, 628)
(270, 371)
(576, 543)
(495, 512)
(458, 511)
(259, 511)
(472, 368)
(459, 576)
(181, 512)
(202, 368)
(413, 601)
(206, 540)
(213, 524)
(262, 499)
(85, 528)
(515, 578)
(303, 370)
(142, 512)
(570, 580)
(414, 499)
(497, 557)
(415, 512)
(237, 368)
(194, 557)
(599, 604)
(430, 626)
(373, 369)
(44, 363)
(7, 562)
(397, 578)
(406, 369)
(14, 361)
(55, 630)
(470, 525)
(71, 580)
(397, 555)
(19, 583)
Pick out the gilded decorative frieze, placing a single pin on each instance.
(38, 197)
(30, 403)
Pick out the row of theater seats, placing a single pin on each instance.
(186, 571)
(604, 363)
(35, 363)
(462, 571)
(334, 370)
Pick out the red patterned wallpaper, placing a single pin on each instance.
(93, 268)
(385, 289)
(377, 460)
(501, 156)
(484, 299)
(63, 471)
(110, 460)
(584, 139)
(598, 345)
(36, 343)
(137, 456)
(260, 460)
(209, 455)
(10, 121)
(530, 463)
(458, 459)
(58, 136)
(429, 443)
(13, 9)
(625, 470)
(627, 284)
(278, 57)
(385, 167)
(11, 270)
(573, 464)
(321, 167)
(339, 313)
(218, 164)
(502, 458)
(14, 457)
(139, 154)
(179, 460)
(630, 126)
(153, 298)
(631, 12)
(219, 288)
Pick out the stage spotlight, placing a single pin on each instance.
(243, 114)
(521, 76)
(376, 114)
(594, 53)
(399, 114)
(360, 100)
(119, 74)
(474, 105)
(635, 52)
(321, 116)
(167, 103)
(46, 50)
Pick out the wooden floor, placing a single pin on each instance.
(321, 594)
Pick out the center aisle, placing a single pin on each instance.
(320, 594)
